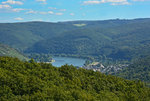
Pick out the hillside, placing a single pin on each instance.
(39, 81)
(24, 35)
(116, 39)
(7, 51)
(139, 70)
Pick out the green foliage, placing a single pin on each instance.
(41, 57)
(24, 35)
(7, 51)
(41, 82)
(116, 39)
(139, 70)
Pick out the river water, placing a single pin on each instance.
(59, 61)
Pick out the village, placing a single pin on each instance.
(97, 66)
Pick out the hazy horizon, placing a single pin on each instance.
(74, 20)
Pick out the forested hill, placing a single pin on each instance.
(139, 70)
(24, 35)
(117, 39)
(8, 51)
(40, 81)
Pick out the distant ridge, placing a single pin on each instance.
(69, 21)
(114, 38)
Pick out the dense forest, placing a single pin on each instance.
(23, 81)
(109, 41)
(116, 39)
(139, 70)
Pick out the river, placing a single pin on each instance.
(59, 61)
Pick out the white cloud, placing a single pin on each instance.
(121, 3)
(43, 13)
(13, 2)
(113, 2)
(72, 14)
(42, 1)
(8, 8)
(91, 2)
(31, 12)
(52, 8)
(18, 18)
(59, 13)
(84, 14)
(50, 12)
(18, 9)
(39, 12)
(5, 6)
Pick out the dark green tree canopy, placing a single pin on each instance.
(31, 81)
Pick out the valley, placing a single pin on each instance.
(113, 43)
(74, 50)
(111, 48)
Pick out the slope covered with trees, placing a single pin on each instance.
(24, 35)
(139, 70)
(116, 39)
(11, 52)
(39, 81)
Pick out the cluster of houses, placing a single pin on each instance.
(97, 66)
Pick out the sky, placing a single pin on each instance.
(70, 10)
